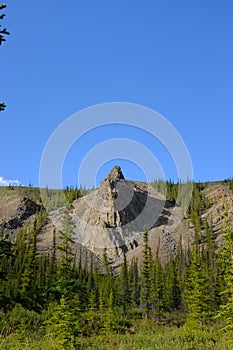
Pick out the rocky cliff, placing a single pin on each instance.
(113, 217)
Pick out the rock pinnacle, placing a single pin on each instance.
(115, 174)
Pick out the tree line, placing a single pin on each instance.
(78, 297)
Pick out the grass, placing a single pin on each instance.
(149, 336)
(145, 335)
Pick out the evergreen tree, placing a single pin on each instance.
(110, 312)
(157, 281)
(134, 283)
(6, 255)
(146, 275)
(208, 257)
(125, 287)
(33, 268)
(53, 259)
(63, 324)
(65, 269)
(226, 263)
(197, 294)
(29, 274)
(6, 263)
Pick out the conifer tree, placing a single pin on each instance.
(108, 282)
(101, 306)
(209, 262)
(63, 325)
(176, 287)
(124, 285)
(6, 264)
(134, 283)
(65, 269)
(28, 280)
(157, 287)
(53, 259)
(110, 312)
(6, 254)
(146, 275)
(197, 294)
(92, 307)
(226, 263)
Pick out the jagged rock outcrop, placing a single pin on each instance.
(114, 216)
(15, 212)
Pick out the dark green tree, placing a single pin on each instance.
(6, 254)
(65, 269)
(134, 283)
(6, 263)
(197, 292)
(124, 285)
(157, 282)
(226, 263)
(3, 33)
(146, 275)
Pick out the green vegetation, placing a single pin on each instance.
(60, 300)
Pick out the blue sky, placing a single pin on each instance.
(175, 57)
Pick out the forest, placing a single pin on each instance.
(64, 300)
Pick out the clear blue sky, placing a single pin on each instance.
(175, 57)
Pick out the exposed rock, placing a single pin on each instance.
(114, 216)
(15, 212)
(115, 174)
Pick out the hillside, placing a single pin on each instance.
(105, 221)
(87, 273)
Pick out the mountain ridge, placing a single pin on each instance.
(113, 228)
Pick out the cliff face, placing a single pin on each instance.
(114, 216)
(15, 210)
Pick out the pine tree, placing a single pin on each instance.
(157, 282)
(197, 296)
(64, 268)
(6, 255)
(110, 312)
(63, 324)
(124, 285)
(108, 281)
(53, 260)
(29, 275)
(146, 275)
(134, 283)
(209, 258)
(226, 263)
(101, 306)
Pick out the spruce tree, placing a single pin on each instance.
(124, 285)
(157, 291)
(226, 263)
(134, 283)
(29, 275)
(146, 275)
(6, 255)
(197, 295)
(65, 247)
